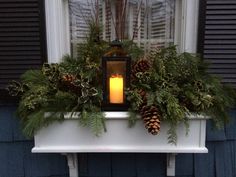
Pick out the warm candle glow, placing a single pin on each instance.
(116, 86)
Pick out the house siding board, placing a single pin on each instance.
(43, 165)
(4, 159)
(150, 165)
(6, 123)
(83, 164)
(204, 164)
(223, 159)
(16, 159)
(15, 167)
(17, 133)
(11, 131)
(230, 129)
(233, 150)
(12, 159)
(99, 164)
(123, 165)
(214, 134)
(184, 165)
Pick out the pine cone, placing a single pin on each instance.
(151, 118)
(68, 83)
(68, 78)
(141, 65)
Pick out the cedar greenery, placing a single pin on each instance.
(70, 86)
(46, 90)
(176, 84)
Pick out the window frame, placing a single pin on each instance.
(58, 27)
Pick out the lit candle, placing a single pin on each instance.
(116, 89)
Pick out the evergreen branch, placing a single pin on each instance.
(172, 135)
(34, 78)
(96, 123)
(132, 119)
(37, 120)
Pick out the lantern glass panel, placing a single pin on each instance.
(116, 81)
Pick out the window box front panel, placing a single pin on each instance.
(70, 137)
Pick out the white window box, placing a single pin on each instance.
(69, 137)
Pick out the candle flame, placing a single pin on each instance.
(116, 76)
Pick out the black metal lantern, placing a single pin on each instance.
(116, 66)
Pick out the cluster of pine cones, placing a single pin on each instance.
(149, 113)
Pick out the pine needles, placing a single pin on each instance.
(175, 84)
(178, 84)
(74, 85)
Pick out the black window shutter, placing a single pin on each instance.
(217, 37)
(22, 39)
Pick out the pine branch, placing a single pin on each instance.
(132, 119)
(96, 123)
(37, 120)
(172, 135)
(34, 78)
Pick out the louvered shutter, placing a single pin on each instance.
(80, 14)
(137, 20)
(217, 37)
(22, 38)
(161, 23)
(107, 19)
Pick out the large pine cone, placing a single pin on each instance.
(141, 65)
(151, 118)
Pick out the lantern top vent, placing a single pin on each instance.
(116, 49)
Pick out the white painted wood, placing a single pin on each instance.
(70, 137)
(178, 24)
(116, 149)
(202, 134)
(189, 25)
(72, 161)
(57, 29)
(170, 167)
(103, 19)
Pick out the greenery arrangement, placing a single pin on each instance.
(165, 85)
(169, 86)
(70, 86)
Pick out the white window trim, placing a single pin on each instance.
(58, 27)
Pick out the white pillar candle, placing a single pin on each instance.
(116, 88)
